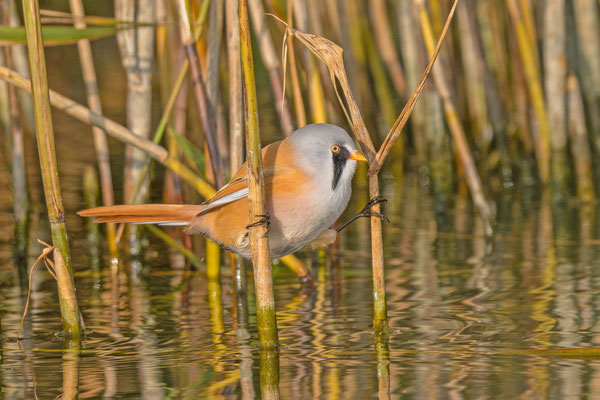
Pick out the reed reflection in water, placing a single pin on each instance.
(515, 316)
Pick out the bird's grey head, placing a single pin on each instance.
(325, 150)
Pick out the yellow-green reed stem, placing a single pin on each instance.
(269, 373)
(206, 118)
(579, 142)
(91, 190)
(456, 129)
(259, 242)
(159, 233)
(383, 368)
(293, 263)
(534, 85)
(71, 318)
(213, 260)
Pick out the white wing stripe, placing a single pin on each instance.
(230, 198)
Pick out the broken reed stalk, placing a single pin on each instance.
(259, 241)
(271, 61)
(534, 86)
(71, 318)
(456, 128)
(100, 142)
(208, 121)
(18, 174)
(137, 54)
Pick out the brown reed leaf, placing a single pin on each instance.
(44, 256)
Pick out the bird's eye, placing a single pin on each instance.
(335, 148)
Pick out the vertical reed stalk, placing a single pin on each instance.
(410, 50)
(588, 32)
(100, 142)
(213, 252)
(271, 61)
(90, 196)
(456, 128)
(385, 43)
(298, 102)
(316, 97)
(269, 374)
(259, 242)
(475, 81)
(19, 59)
(213, 62)
(137, 53)
(236, 122)
(71, 318)
(236, 149)
(580, 149)
(532, 72)
(19, 175)
(207, 119)
(555, 82)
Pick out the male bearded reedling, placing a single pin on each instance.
(308, 182)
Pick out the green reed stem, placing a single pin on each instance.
(259, 242)
(71, 318)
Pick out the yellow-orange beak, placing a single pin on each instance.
(356, 156)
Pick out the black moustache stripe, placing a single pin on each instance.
(339, 162)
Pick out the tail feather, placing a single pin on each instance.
(163, 214)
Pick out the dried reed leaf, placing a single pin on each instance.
(44, 256)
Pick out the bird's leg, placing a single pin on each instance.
(265, 219)
(366, 212)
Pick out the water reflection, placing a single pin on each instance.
(469, 317)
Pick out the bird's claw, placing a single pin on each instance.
(367, 212)
(375, 200)
(264, 219)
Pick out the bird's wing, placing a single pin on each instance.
(237, 188)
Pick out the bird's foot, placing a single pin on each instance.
(375, 200)
(264, 219)
(367, 212)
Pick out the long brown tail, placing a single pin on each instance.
(163, 214)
